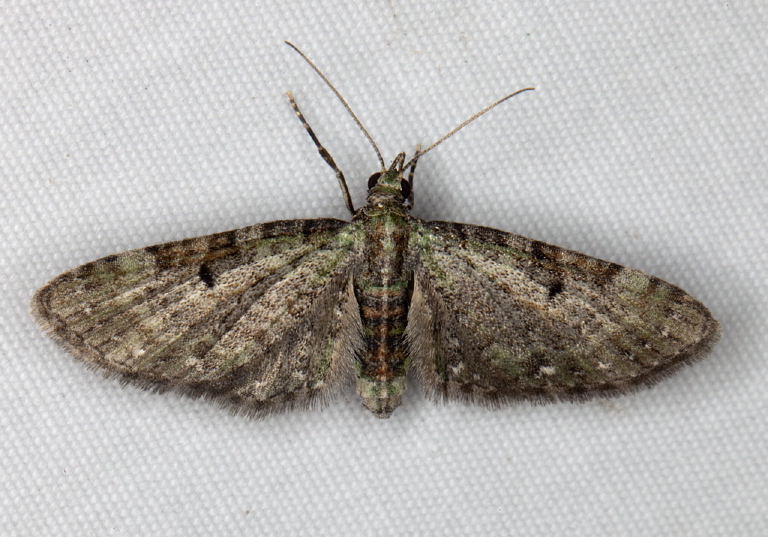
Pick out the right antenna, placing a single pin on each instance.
(467, 122)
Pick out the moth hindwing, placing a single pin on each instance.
(281, 315)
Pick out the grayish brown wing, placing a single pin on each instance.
(261, 318)
(496, 317)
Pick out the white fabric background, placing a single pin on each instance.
(124, 124)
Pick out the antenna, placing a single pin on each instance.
(467, 122)
(336, 92)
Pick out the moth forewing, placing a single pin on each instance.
(498, 318)
(258, 318)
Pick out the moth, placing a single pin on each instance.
(282, 315)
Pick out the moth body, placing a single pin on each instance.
(383, 286)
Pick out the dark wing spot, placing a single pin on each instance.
(555, 289)
(541, 251)
(221, 241)
(605, 275)
(206, 275)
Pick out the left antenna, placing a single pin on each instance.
(346, 105)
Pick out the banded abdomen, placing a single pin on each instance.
(383, 292)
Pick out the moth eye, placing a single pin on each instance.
(405, 188)
(373, 179)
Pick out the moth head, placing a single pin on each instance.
(392, 178)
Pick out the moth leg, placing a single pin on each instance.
(325, 154)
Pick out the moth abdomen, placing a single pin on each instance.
(383, 293)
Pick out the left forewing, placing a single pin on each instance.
(496, 317)
(261, 318)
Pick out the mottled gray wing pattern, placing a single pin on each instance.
(496, 317)
(261, 318)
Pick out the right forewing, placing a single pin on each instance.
(496, 317)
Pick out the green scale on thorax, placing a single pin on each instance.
(383, 288)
